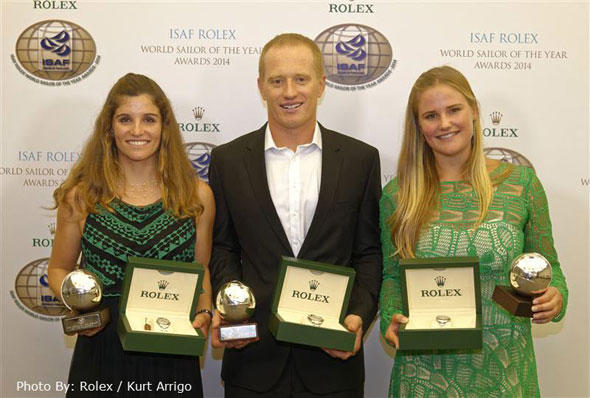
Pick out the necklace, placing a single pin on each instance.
(142, 188)
(142, 193)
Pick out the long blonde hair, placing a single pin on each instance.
(418, 185)
(97, 176)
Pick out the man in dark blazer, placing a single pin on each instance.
(294, 188)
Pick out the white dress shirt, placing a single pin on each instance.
(294, 182)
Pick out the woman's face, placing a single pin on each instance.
(446, 122)
(137, 127)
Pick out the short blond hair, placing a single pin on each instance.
(293, 39)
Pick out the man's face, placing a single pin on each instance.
(291, 87)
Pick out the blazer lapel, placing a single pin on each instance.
(256, 168)
(331, 164)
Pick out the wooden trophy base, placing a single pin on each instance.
(511, 301)
(74, 322)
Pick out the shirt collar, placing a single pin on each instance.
(269, 142)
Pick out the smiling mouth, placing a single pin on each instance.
(447, 136)
(291, 106)
(137, 142)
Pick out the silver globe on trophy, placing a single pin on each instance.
(236, 304)
(529, 273)
(81, 292)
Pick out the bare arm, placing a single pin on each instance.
(66, 247)
(66, 243)
(203, 254)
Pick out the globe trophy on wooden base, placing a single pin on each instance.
(529, 273)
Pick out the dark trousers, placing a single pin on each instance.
(289, 385)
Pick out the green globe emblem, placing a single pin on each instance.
(33, 291)
(508, 156)
(55, 50)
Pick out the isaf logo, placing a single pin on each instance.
(355, 56)
(56, 51)
(356, 50)
(508, 156)
(199, 153)
(33, 295)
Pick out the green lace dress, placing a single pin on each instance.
(107, 240)
(517, 221)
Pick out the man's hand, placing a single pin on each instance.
(353, 323)
(88, 332)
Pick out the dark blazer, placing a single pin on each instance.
(249, 240)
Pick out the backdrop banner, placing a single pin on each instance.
(527, 63)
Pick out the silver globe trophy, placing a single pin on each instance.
(529, 272)
(236, 304)
(81, 292)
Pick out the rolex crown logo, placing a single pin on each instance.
(313, 284)
(51, 227)
(496, 117)
(440, 280)
(162, 284)
(198, 112)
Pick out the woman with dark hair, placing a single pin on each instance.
(133, 192)
(448, 199)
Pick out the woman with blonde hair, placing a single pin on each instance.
(448, 199)
(133, 192)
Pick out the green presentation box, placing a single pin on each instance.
(158, 302)
(442, 298)
(310, 303)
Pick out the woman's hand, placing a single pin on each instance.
(202, 321)
(391, 332)
(547, 306)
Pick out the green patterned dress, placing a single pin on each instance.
(108, 239)
(517, 221)
(144, 231)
